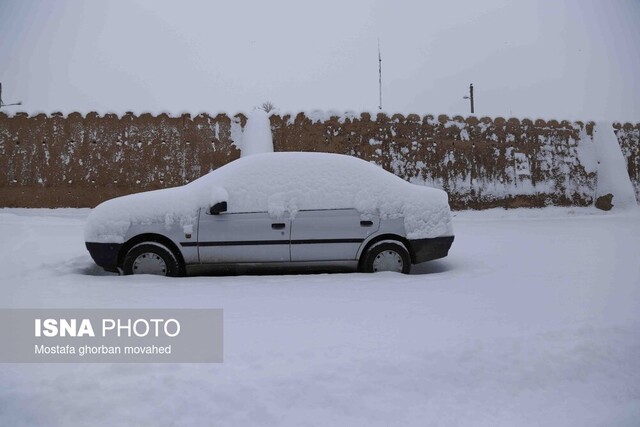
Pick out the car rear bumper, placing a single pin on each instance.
(105, 254)
(428, 249)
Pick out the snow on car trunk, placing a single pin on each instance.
(281, 184)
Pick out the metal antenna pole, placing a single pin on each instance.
(471, 95)
(380, 74)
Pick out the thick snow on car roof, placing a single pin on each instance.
(282, 184)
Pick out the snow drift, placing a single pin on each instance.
(532, 321)
(613, 177)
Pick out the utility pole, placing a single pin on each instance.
(470, 97)
(2, 104)
(379, 75)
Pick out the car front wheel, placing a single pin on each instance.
(151, 258)
(387, 256)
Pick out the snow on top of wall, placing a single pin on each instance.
(280, 184)
(319, 116)
(455, 123)
(123, 112)
(612, 169)
(316, 116)
(325, 115)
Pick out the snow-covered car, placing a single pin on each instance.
(281, 209)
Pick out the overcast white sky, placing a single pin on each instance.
(551, 59)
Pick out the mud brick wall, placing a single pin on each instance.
(482, 163)
(79, 161)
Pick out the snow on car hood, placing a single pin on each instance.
(281, 184)
(110, 221)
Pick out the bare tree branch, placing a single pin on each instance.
(267, 106)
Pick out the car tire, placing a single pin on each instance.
(151, 258)
(387, 256)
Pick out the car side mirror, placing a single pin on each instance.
(218, 208)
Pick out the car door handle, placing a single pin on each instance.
(366, 223)
(278, 226)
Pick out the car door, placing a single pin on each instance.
(242, 237)
(329, 235)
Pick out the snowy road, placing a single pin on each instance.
(533, 319)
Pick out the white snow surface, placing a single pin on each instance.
(256, 135)
(531, 320)
(281, 184)
(613, 176)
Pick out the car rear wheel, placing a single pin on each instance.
(151, 258)
(387, 256)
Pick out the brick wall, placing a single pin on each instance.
(79, 161)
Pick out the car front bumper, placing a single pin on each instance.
(422, 250)
(105, 254)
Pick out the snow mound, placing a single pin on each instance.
(613, 177)
(256, 136)
(281, 184)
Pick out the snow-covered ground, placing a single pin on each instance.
(533, 320)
